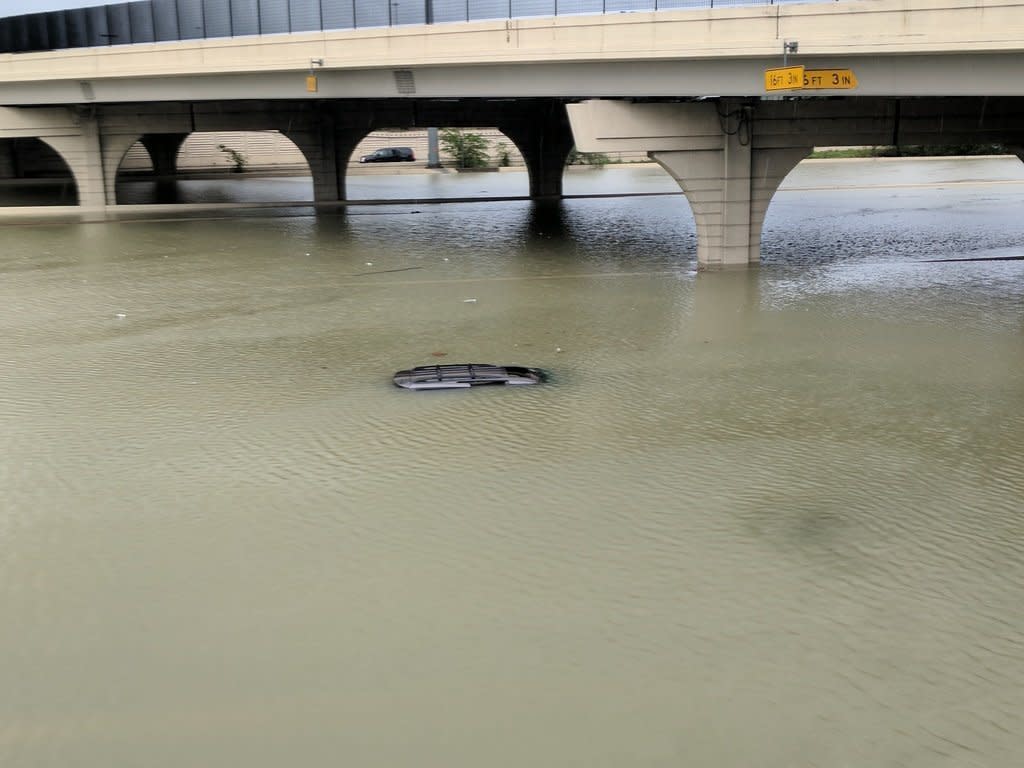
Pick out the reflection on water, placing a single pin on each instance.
(757, 518)
(30, 192)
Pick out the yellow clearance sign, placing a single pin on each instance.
(784, 78)
(832, 79)
(801, 79)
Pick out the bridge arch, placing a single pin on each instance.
(154, 164)
(36, 172)
(87, 168)
(93, 172)
(499, 149)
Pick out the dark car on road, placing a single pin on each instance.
(389, 155)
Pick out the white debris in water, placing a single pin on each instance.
(369, 263)
(469, 301)
(558, 349)
(120, 315)
(446, 258)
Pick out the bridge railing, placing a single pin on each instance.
(148, 21)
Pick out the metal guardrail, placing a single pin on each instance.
(149, 21)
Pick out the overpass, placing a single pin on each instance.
(685, 86)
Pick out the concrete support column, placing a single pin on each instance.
(768, 168)
(542, 135)
(94, 160)
(163, 151)
(83, 154)
(729, 191)
(319, 148)
(327, 149)
(345, 142)
(716, 183)
(433, 148)
(115, 147)
(727, 163)
(729, 182)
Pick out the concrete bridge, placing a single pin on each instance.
(687, 87)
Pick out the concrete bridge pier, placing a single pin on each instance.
(163, 151)
(92, 156)
(729, 191)
(321, 149)
(83, 153)
(544, 138)
(326, 141)
(710, 149)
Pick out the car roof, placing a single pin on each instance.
(459, 371)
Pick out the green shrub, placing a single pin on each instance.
(469, 150)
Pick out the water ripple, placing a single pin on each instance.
(761, 518)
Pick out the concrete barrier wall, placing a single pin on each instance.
(897, 47)
(271, 151)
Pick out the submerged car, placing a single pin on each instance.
(462, 375)
(389, 155)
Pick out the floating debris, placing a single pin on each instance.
(384, 271)
(121, 315)
(469, 301)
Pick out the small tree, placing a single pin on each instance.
(236, 157)
(469, 150)
(504, 154)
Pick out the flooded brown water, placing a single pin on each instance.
(772, 518)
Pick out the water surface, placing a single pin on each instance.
(762, 518)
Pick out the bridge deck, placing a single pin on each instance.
(898, 47)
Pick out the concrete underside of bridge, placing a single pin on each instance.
(93, 140)
(728, 155)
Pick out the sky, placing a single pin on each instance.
(18, 7)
